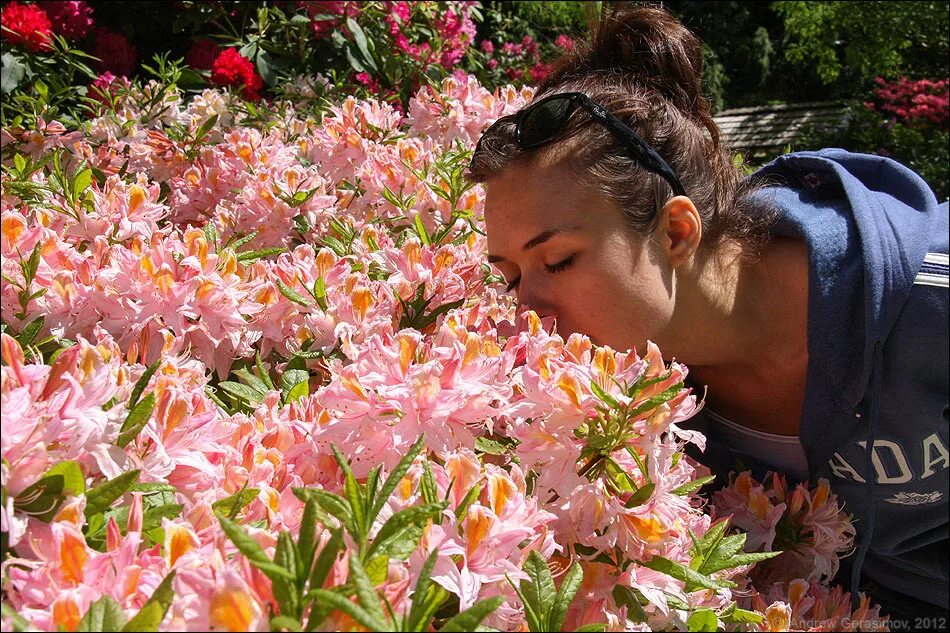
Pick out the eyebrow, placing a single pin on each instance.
(537, 240)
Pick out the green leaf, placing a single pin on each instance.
(285, 590)
(136, 420)
(231, 505)
(592, 627)
(150, 616)
(690, 486)
(206, 127)
(395, 477)
(33, 263)
(709, 542)
(249, 256)
(81, 182)
(687, 575)
(365, 590)
(741, 616)
(539, 588)
(356, 612)
(421, 230)
(262, 372)
(152, 518)
(306, 540)
(103, 615)
(334, 504)
(491, 447)
(11, 73)
(320, 293)
(377, 568)
(18, 161)
(291, 380)
(427, 484)
(292, 294)
(400, 535)
(18, 621)
(427, 596)
(462, 508)
(354, 493)
(242, 392)
(739, 559)
(281, 622)
(603, 395)
(43, 497)
(469, 619)
(629, 597)
(251, 380)
(702, 620)
(99, 499)
(142, 382)
(641, 496)
(326, 559)
(30, 330)
(211, 234)
(361, 43)
(565, 595)
(241, 241)
(253, 551)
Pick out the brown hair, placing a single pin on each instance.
(645, 67)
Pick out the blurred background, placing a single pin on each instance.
(781, 76)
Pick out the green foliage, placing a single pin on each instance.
(298, 572)
(48, 85)
(545, 606)
(921, 147)
(853, 41)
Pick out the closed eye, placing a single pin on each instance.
(554, 268)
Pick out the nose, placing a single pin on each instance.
(530, 299)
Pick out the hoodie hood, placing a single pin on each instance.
(867, 221)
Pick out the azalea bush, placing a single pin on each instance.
(904, 119)
(61, 54)
(258, 376)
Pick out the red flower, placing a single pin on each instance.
(233, 69)
(26, 25)
(564, 42)
(116, 52)
(72, 19)
(106, 86)
(539, 72)
(202, 54)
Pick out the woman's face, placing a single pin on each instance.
(569, 253)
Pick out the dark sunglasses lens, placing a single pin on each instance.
(543, 122)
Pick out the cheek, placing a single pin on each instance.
(625, 303)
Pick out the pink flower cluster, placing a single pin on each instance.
(521, 61)
(156, 307)
(70, 18)
(910, 101)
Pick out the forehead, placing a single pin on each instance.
(532, 198)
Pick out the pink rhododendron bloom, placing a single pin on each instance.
(564, 42)
(117, 53)
(202, 54)
(70, 18)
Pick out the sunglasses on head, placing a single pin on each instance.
(540, 123)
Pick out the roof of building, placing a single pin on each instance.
(769, 129)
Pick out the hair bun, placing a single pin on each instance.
(650, 46)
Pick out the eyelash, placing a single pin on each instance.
(556, 268)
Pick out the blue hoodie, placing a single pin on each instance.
(877, 368)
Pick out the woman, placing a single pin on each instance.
(810, 299)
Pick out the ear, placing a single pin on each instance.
(680, 230)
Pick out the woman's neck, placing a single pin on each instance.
(743, 330)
